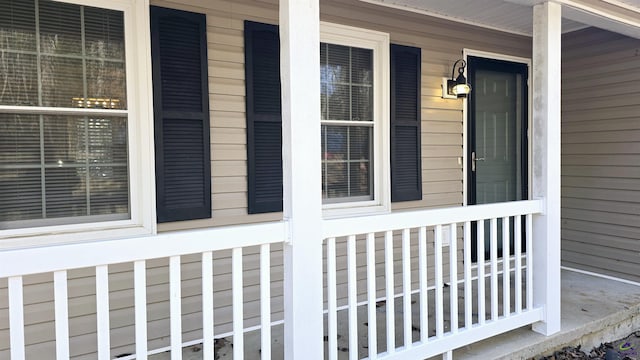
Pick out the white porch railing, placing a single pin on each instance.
(15, 265)
(444, 300)
(432, 300)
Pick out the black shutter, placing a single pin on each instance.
(181, 112)
(406, 177)
(264, 120)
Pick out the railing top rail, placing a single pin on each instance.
(430, 217)
(16, 262)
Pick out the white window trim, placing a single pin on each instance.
(140, 143)
(379, 43)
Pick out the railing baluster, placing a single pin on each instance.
(352, 297)
(517, 252)
(390, 292)
(468, 290)
(61, 314)
(439, 282)
(16, 317)
(424, 286)
(453, 277)
(529, 249)
(481, 283)
(238, 303)
(371, 296)
(102, 312)
(494, 268)
(506, 271)
(175, 305)
(406, 287)
(332, 316)
(140, 294)
(207, 306)
(265, 301)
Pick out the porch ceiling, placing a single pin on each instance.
(516, 16)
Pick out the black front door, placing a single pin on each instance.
(497, 141)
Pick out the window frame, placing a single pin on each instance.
(378, 42)
(139, 141)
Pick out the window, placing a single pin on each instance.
(354, 97)
(370, 113)
(65, 118)
(346, 82)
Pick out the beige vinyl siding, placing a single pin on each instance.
(601, 153)
(441, 42)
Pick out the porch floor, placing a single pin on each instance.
(594, 310)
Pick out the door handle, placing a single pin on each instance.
(474, 159)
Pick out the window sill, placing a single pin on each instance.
(353, 210)
(65, 234)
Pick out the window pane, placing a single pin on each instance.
(66, 192)
(346, 162)
(338, 63)
(359, 179)
(20, 194)
(107, 141)
(18, 79)
(338, 106)
(109, 190)
(361, 66)
(362, 103)
(65, 140)
(104, 31)
(336, 180)
(106, 85)
(17, 25)
(360, 142)
(61, 81)
(60, 28)
(19, 139)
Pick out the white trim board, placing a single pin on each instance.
(609, 277)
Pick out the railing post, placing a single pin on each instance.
(547, 27)
(300, 75)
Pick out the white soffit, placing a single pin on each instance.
(493, 14)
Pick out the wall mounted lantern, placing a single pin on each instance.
(458, 87)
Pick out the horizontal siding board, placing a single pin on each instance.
(601, 183)
(618, 207)
(613, 241)
(607, 252)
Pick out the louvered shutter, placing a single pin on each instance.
(406, 179)
(264, 120)
(181, 111)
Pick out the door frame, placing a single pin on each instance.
(465, 122)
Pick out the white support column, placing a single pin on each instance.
(547, 30)
(300, 75)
